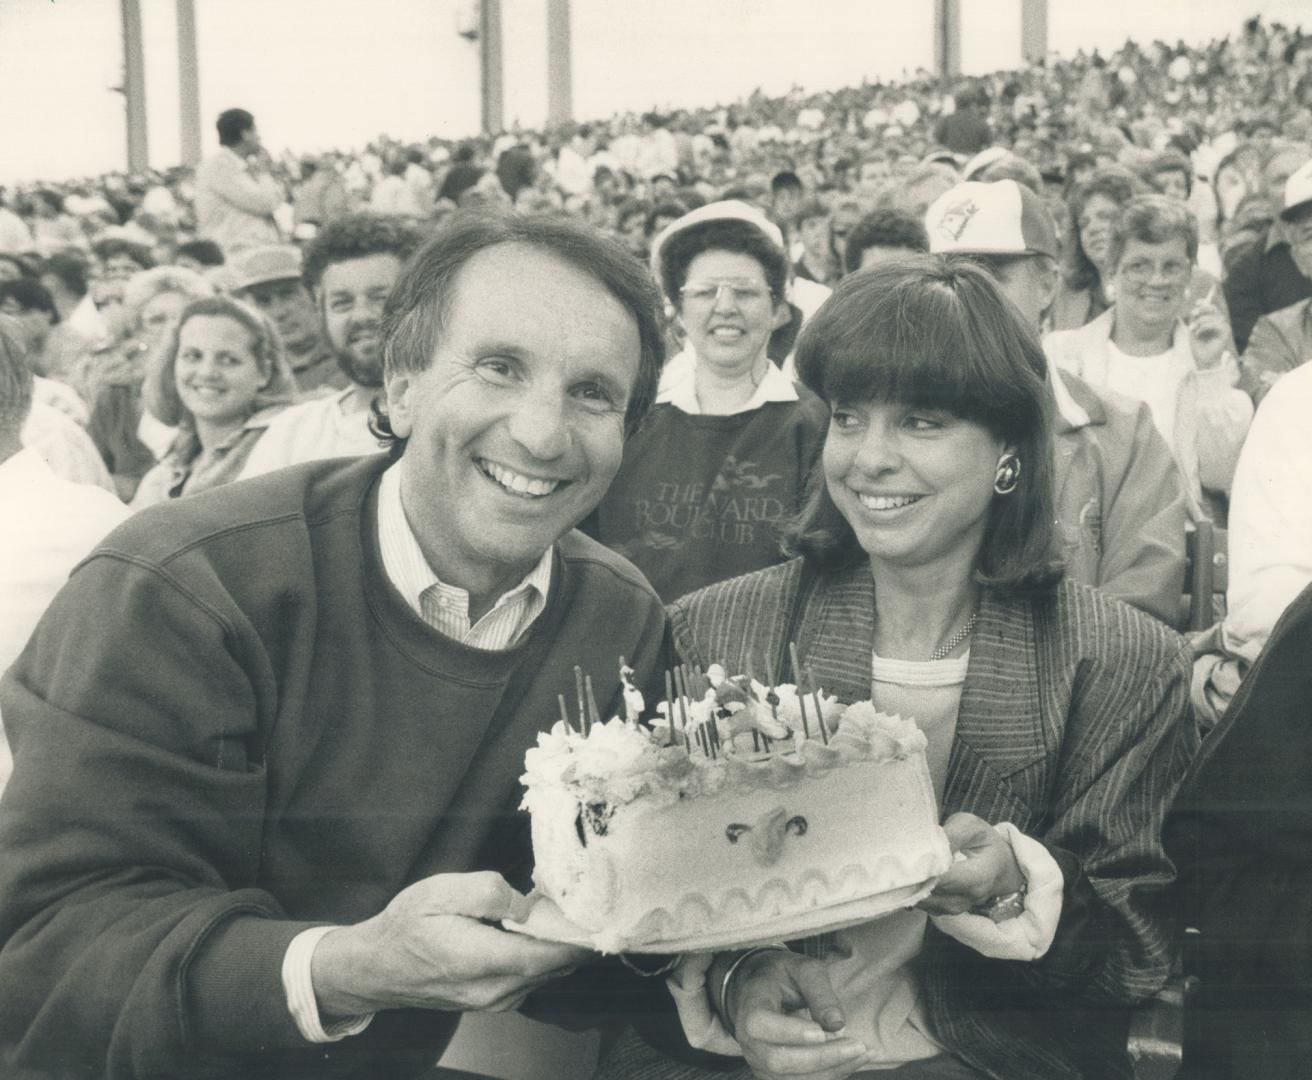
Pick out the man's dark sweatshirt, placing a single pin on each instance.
(230, 727)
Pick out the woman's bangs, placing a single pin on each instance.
(916, 359)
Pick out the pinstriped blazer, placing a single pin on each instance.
(1075, 726)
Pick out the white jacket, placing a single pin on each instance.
(1211, 413)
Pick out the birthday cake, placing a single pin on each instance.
(743, 813)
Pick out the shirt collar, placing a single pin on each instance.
(408, 570)
(678, 386)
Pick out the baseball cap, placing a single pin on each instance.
(258, 265)
(1001, 218)
(724, 210)
(1298, 191)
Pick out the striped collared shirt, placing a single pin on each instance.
(446, 607)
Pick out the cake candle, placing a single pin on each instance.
(564, 712)
(801, 697)
(583, 709)
(669, 707)
(594, 714)
(819, 712)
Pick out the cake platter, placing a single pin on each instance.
(546, 922)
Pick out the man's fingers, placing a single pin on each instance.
(481, 895)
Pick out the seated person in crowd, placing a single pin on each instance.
(1282, 340)
(1239, 834)
(269, 278)
(1270, 540)
(50, 523)
(219, 379)
(723, 459)
(1056, 717)
(1157, 346)
(350, 266)
(882, 235)
(1087, 290)
(819, 259)
(130, 439)
(330, 676)
(1120, 506)
(1261, 274)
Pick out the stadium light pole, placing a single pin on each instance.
(188, 84)
(947, 39)
(489, 45)
(1033, 30)
(134, 86)
(560, 74)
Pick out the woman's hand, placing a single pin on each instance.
(989, 868)
(788, 1020)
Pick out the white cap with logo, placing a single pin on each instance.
(1001, 218)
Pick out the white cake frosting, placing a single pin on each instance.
(639, 837)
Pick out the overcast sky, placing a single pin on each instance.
(322, 73)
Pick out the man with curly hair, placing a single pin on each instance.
(349, 267)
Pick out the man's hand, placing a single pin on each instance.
(988, 870)
(433, 947)
(788, 1020)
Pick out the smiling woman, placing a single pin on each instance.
(220, 378)
(723, 459)
(1159, 345)
(1056, 719)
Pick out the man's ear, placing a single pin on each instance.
(399, 391)
(1049, 277)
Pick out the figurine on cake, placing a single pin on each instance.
(1051, 724)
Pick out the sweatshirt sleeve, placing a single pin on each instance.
(132, 938)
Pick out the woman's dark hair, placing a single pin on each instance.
(934, 331)
(1113, 182)
(721, 234)
(418, 305)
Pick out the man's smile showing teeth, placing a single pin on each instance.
(887, 502)
(515, 482)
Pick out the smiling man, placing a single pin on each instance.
(264, 823)
(350, 267)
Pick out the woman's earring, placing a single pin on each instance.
(1008, 474)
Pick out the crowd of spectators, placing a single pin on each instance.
(1148, 212)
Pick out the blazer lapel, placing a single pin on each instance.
(836, 638)
(998, 764)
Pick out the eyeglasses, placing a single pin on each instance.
(1142, 271)
(742, 293)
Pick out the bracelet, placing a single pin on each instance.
(733, 970)
(1001, 908)
(664, 968)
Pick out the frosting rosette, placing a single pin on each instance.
(886, 734)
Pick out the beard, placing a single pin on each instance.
(362, 367)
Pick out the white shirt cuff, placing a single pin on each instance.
(298, 985)
(1030, 934)
(700, 1024)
